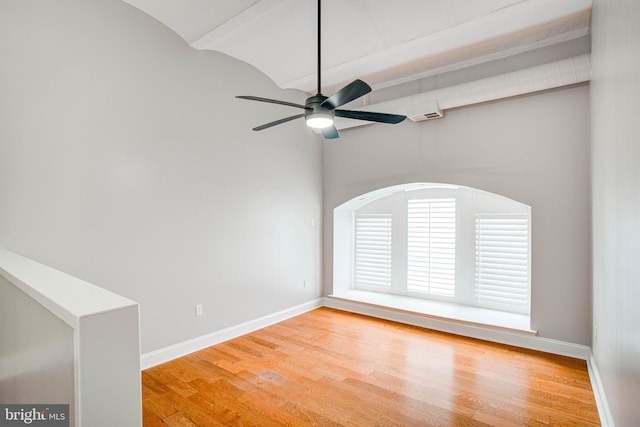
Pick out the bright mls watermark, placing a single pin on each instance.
(34, 415)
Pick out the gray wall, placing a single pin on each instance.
(532, 149)
(126, 161)
(615, 110)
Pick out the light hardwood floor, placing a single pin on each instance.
(331, 368)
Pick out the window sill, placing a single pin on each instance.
(442, 310)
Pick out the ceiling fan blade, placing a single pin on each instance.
(371, 116)
(271, 101)
(330, 133)
(353, 90)
(278, 122)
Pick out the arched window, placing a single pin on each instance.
(436, 241)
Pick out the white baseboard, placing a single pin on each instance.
(606, 419)
(498, 335)
(153, 358)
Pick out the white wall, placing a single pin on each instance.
(36, 352)
(126, 161)
(533, 149)
(615, 110)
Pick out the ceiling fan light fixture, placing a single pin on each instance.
(319, 120)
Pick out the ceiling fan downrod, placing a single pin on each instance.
(319, 47)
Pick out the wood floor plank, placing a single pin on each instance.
(332, 368)
(156, 404)
(178, 420)
(150, 418)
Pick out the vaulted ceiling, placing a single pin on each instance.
(380, 41)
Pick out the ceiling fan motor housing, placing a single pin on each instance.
(314, 105)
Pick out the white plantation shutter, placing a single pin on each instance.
(502, 262)
(431, 246)
(373, 252)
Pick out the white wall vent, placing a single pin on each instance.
(426, 110)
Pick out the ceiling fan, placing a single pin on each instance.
(320, 111)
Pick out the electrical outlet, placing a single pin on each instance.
(199, 310)
(304, 284)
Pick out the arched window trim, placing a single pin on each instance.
(470, 253)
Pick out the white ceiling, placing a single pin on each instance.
(380, 41)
